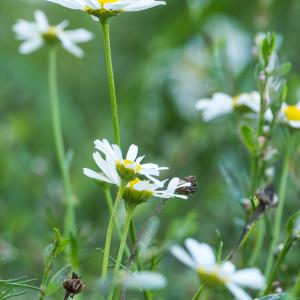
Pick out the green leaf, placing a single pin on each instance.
(57, 280)
(282, 70)
(248, 136)
(293, 225)
(273, 297)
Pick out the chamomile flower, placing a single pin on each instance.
(223, 104)
(108, 8)
(36, 34)
(115, 166)
(139, 191)
(290, 114)
(202, 259)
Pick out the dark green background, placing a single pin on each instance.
(164, 60)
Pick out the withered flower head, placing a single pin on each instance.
(73, 286)
(268, 196)
(188, 190)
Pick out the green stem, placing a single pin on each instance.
(111, 82)
(259, 242)
(295, 292)
(279, 212)
(110, 230)
(286, 247)
(110, 204)
(198, 293)
(70, 222)
(129, 214)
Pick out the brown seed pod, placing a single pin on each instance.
(73, 286)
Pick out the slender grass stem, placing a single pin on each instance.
(286, 247)
(110, 229)
(198, 293)
(111, 82)
(295, 292)
(279, 211)
(70, 221)
(129, 214)
(110, 205)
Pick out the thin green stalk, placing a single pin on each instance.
(146, 294)
(259, 242)
(111, 82)
(198, 293)
(279, 211)
(295, 292)
(110, 230)
(110, 205)
(129, 214)
(70, 222)
(286, 247)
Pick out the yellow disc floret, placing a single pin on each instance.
(102, 2)
(212, 278)
(292, 113)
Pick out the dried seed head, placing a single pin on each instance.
(73, 286)
(268, 196)
(188, 190)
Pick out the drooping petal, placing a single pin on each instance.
(237, 292)
(79, 35)
(92, 174)
(31, 45)
(201, 253)
(251, 278)
(144, 280)
(182, 255)
(69, 45)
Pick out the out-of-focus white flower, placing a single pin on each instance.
(115, 166)
(202, 259)
(143, 280)
(139, 191)
(290, 114)
(222, 104)
(108, 8)
(35, 34)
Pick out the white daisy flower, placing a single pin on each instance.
(36, 34)
(115, 166)
(202, 259)
(139, 191)
(290, 114)
(108, 8)
(222, 104)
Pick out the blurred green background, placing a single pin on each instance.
(164, 60)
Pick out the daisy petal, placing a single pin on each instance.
(201, 253)
(237, 292)
(182, 255)
(251, 278)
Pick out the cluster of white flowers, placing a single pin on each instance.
(36, 34)
(222, 104)
(114, 168)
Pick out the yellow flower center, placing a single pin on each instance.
(102, 2)
(127, 162)
(212, 278)
(133, 182)
(292, 113)
(235, 101)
